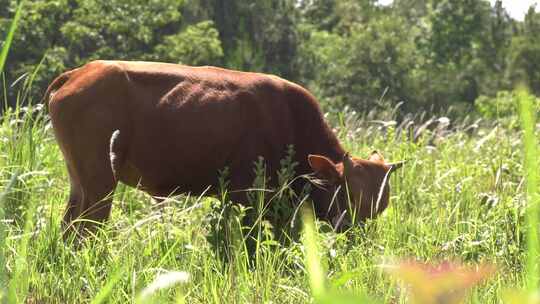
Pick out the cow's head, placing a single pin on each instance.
(356, 189)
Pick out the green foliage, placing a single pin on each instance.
(455, 25)
(504, 107)
(524, 55)
(198, 44)
(531, 24)
(528, 114)
(320, 13)
(255, 35)
(7, 42)
(426, 53)
(525, 63)
(125, 29)
(357, 69)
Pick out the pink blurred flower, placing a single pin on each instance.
(447, 282)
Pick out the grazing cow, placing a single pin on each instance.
(168, 128)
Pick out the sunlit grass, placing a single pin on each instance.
(530, 141)
(7, 41)
(314, 268)
(460, 196)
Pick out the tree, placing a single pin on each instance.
(453, 50)
(320, 13)
(525, 53)
(413, 11)
(37, 33)
(119, 29)
(492, 51)
(198, 44)
(337, 16)
(455, 26)
(531, 24)
(357, 69)
(262, 35)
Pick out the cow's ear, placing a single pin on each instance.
(376, 157)
(396, 165)
(324, 167)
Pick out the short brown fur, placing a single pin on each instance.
(176, 126)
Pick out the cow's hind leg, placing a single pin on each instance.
(86, 149)
(85, 113)
(74, 204)
(92, 185)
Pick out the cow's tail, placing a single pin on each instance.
(57, 83)
(116, 154)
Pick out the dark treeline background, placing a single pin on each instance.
(427, 53)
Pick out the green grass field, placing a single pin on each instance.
(461, 196)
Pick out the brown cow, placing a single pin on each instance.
(169, 128)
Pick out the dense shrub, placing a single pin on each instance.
(504, 107)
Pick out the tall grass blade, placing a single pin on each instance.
(316, 272)
(106, 291)
(18, 285)
(3, 56)
(3, 233)
(163, 281)
(313, 263)
(9, 37)
(528, 123)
